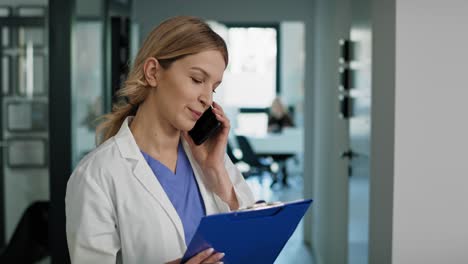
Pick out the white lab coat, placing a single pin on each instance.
(117, 211)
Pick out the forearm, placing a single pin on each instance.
(222, 186)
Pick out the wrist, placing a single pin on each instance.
(218, 179)
(220, 183)
(214, 171)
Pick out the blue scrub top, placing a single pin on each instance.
(182, 190)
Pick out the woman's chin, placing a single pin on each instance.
(184, 125)
(188, 126)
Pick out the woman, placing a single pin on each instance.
(279, 117)
(138, 197)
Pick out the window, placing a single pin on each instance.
(251, 79)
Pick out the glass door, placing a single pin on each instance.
(24, 169)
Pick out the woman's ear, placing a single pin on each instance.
(150, 69)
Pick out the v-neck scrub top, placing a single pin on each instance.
(182, 190)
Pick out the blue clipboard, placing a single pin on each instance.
(252, 236)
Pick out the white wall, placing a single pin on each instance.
(430, 212)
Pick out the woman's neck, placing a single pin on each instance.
(153, 134)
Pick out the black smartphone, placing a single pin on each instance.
(205, 126)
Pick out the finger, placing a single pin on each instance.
(217, 106)
(200, 257)
(215, 258)
(218, 111)
(224, 120)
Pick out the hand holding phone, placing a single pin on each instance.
(205, 126)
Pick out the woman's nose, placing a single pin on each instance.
(206, 100)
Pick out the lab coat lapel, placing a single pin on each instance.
(207, 196)
(129, 150)
(149, 181)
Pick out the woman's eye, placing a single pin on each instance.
(196, 81)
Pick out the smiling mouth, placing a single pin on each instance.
(195, 114)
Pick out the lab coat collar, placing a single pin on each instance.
(129, 150)
(208, 198)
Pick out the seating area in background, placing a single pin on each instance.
(268, 154)
(281, 159)
(257, 165)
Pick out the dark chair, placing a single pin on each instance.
(281, 160)
(29, 242)
(257, 165)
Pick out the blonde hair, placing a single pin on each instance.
(173, 39)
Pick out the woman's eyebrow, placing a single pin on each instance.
(200, 69)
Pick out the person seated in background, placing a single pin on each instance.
(278, 117)
(277, 120)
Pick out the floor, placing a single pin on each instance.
(358, 219)
(295, 251)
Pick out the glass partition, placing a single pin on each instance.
(24, 166)
(87, 86)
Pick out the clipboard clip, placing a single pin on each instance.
(261, 204)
